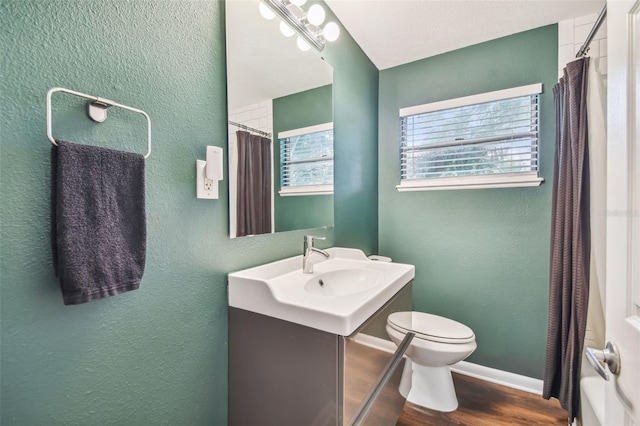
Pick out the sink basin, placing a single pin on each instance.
(353, 288)
(342, 282)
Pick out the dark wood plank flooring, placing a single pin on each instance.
(363, 366)
(482, 403)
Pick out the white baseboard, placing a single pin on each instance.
(375, 342)
(505, 378)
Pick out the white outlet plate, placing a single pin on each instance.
(205, 188)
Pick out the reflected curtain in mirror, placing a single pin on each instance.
(254, 184)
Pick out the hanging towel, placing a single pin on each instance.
(98, 221)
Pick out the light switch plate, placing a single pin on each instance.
(205, 188)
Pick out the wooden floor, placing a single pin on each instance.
(363, 366)
(482, 403)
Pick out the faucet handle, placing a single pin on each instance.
(309, 239)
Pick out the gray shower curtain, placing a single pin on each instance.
(570, 241)
(254, 184)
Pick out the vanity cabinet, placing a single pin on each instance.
(282, 373)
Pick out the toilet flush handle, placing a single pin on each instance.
(609, 355)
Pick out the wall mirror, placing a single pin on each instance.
(280, 109)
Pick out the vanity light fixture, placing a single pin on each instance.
(302, 45)
(266, 12)
(286, 30)
(306, 23)
(316, 15)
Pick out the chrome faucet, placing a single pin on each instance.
(309, 249)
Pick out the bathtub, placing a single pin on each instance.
(591, 401)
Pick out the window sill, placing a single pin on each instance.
(297, 191)
(471, 182)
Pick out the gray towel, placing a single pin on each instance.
(98, 221)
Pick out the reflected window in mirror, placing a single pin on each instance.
(306, 159)
(302, 110)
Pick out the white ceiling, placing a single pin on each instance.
(395, 32)
(263, 65)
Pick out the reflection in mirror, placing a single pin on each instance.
(280, 108)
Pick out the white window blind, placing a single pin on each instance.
(306, 160)
(454, 142)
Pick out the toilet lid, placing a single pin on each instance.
(431, 327)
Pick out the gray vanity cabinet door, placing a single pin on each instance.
(286, 374)
(364, 365)
(280, 373)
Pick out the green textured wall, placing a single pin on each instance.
(303, 109)
(481, 255)
(355, 131)
(157, 355)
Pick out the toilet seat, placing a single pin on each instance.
(431, 327)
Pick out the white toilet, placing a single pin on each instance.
(438, 343)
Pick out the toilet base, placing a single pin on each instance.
(428, 387)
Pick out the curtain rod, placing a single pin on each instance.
(250, 129)
(585, 46)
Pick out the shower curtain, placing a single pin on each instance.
(570, 241)
(254, 185)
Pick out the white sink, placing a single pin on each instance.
(342, 282)
(353, 288)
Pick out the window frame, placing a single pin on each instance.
(495, 180)
(319, 189)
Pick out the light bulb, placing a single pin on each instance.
(298, 2)
(286, 29)
(316, 14)
(266, 12)
(302, 45)
(331, 31)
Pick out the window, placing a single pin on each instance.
(306, 160)
(487, 140)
